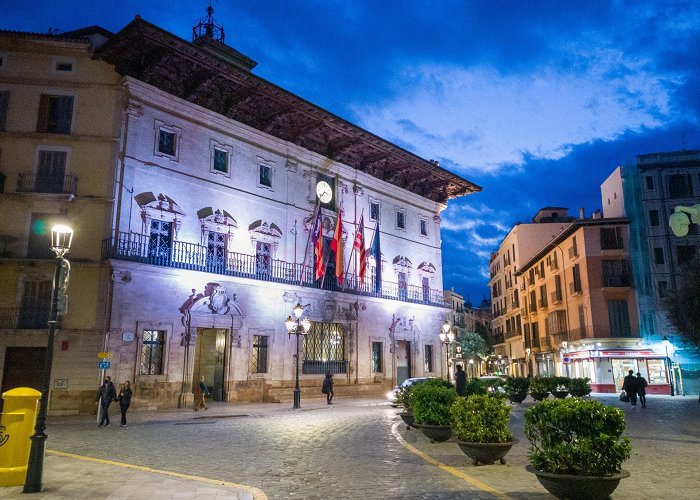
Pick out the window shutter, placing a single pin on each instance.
(43, 113)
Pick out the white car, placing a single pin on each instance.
(391, 395)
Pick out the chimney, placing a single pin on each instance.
(581, 213)
(596, 214)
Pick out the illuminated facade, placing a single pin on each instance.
(204, 241)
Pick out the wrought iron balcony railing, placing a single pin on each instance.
(28, 182)
(191, 256)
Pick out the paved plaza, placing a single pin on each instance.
(352, 449)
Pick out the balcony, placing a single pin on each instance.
(28, 182)
(555, 297)
(575, 288)
(512, 334)
(620, 280)
(498, 339)
(542, 303)
(22, 318)
(194, 257)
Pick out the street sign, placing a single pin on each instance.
(104, 355)
(103, 365)
(566, 359)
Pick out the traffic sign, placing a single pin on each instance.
(104, 355)
(103, 365)
(566, 359)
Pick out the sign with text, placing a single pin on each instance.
(104, 355)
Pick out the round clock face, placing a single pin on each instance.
(324, 191)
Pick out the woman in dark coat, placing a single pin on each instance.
(461, 381)
(124, 399)
(327, 388)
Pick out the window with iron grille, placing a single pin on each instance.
(377, 365)
(152, 352)
(324, 349)
(36, 304)
(618, 315)
(428, 358)
(55, 114)
(259, 355)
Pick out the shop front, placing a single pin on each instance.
(606, 368)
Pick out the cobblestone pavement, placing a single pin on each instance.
(348, 450)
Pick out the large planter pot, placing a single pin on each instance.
(407, 418)
(517, 398)
(486, 453)
(539, 396)
(560, 394)
(437, 433)
(578, 487)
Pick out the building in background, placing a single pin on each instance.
(519, 245)
(196, 233)
(647, 193)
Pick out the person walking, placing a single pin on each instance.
(461, 381)
(124, 399)
(200, 392)
(629, 385)
(327, 388)
(642, 389)
(105, 395)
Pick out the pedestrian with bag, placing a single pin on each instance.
(327, 387)
(642, 389)
(200, 392)
(629, 385)
(124, 399)
(105, 395)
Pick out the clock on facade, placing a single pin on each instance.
(324, 191)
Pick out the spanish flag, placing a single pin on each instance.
(337, 247)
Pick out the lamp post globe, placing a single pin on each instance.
(61, 239)
(297, 327)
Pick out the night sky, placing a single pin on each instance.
(535, 101)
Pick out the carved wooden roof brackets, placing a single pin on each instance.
(150, 54)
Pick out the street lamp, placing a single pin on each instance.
(297, 327)
(527, 361)
(667, 343)
(447, 337)
(61, 238)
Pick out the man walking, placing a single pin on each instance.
(642, 389)
(630, 387)
(105, 395)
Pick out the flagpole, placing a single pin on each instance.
(308, 240)
(353, 251)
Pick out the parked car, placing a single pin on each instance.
(391, 395)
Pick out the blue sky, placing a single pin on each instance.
(536, 101)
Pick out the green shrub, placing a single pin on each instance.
(517, 385)
(540, 384)
(576, 436)
(560, 384)
(403, 398)
(474, 386)
(580, 387)
(431, 403)
(481, 419)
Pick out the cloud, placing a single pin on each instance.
(482, 119)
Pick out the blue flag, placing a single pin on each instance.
(377, 253)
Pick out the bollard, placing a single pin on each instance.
(16, 426)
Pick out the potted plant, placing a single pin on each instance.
(560, 387)
(539, 388)
(579, 387)
(577, 447)
(403, 398)
(480, 425)
(516, 388)
(475, 386)
(431, 408)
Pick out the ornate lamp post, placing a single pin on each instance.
(61, 238)
(297, 327)
(447, 337)
(527, 360)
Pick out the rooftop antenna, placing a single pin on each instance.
(207, 28)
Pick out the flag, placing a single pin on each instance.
(377, 254)
(359, 247)
(318, 245)
(337, 247)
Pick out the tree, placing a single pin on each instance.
(683, 304)
(473, 345)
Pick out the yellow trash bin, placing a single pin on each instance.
(16, 426)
